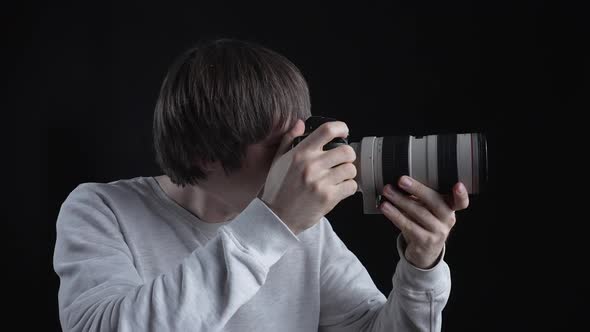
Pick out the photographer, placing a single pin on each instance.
(233, 236)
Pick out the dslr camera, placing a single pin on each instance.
(438, 161)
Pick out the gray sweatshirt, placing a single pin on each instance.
(130, 258)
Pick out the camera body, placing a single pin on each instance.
(311, 124)
(438, 161)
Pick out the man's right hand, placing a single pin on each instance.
(306, 182)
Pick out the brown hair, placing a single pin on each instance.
(219, 97)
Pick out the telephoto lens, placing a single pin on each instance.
(438, 161)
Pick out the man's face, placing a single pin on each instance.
(244, 184)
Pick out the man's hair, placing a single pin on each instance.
(219, 97)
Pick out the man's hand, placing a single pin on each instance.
(425, 218)
(306, 182)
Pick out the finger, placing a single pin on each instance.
(432, 199)
(324, 134)
(342, 154)
(296, 130)
(409, 229)
(460, 197)
(341, 173)
(415, 210)
(346, 188)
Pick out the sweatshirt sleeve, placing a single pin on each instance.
(350, 301)
(101, 290)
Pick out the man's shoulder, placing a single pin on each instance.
(116, 190)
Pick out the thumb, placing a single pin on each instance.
(298, 129)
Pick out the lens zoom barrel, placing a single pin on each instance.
(447, 162)
(439, 161)
(395, 158)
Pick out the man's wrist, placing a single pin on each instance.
(411, 260)
(280, 215)
(411, 277)
(423, 264)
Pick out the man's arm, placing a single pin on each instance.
(350, 301)
(101, 290)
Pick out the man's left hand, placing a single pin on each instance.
(424, 217)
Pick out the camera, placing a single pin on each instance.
(438, 161)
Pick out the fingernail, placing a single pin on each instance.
(405, 182)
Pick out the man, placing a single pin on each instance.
(233, 237)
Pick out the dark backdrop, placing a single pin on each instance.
(513, 70)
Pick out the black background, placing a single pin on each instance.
(517, 71)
